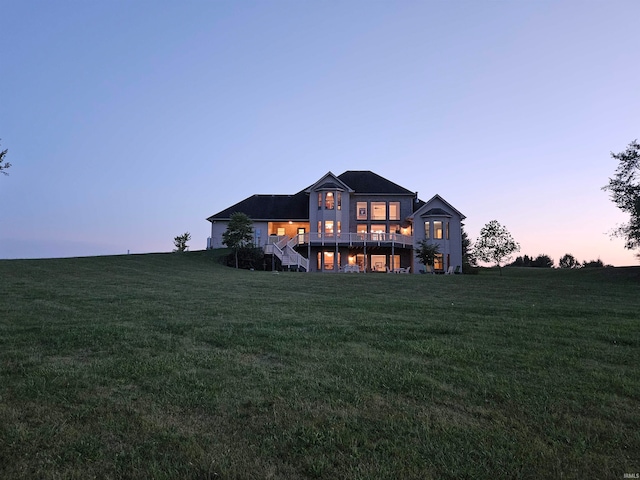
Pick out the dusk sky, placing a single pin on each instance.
(130, 122)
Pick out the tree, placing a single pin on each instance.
(239, 233)
(521, 261)
(426, 253)
(625, 193)
(181, 242)
(4, 166)
(542, 261)
(468, 260)
(569, 261)
(593, 264)
(495, 244)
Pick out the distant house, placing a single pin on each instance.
(354, 222)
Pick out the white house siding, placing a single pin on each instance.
(450, 248)
(218, 227)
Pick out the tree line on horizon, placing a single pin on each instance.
(545, 261)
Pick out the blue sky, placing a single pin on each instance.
(130, 122)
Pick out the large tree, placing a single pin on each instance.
(624, 188)
(239, 233)
(495, 244)
(4, 165)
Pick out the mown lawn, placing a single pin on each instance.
(172, 366)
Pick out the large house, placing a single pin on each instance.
(354, 222)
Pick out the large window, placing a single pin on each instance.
(394, 210)
(437, 230)
(378, 232)
(378, 263)
(329, 201)
(378, 211)
(427, 230)
(438, 264)
(362, 231)
(362, 210)
(327, 260)
(328, 228)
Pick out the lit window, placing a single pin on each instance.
(447, 231)
(437, 263)
(319, 228)
(395, 261)
(280, 231)
(339, 200)
(378, 232)
(427, 230)
(319, 200)
(328, 260)
(325, 259)
(329, 201)
(378, 263)
(437, 230)
(328, 228)
(394, 210)
(362, 231)
(339, 227)
(378, 211)
(362, 210)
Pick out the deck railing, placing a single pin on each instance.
(356, 239)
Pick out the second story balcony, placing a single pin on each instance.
(349, 239)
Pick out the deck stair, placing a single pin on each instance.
(284, 249)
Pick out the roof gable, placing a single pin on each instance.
(329, 182)
(434, 207)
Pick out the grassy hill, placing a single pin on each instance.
(173, 366)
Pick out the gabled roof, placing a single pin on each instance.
(425, 211)
(296, 207)
(328, 182)
(365, 181)
(269, 207)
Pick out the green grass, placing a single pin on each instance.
(172, 366)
